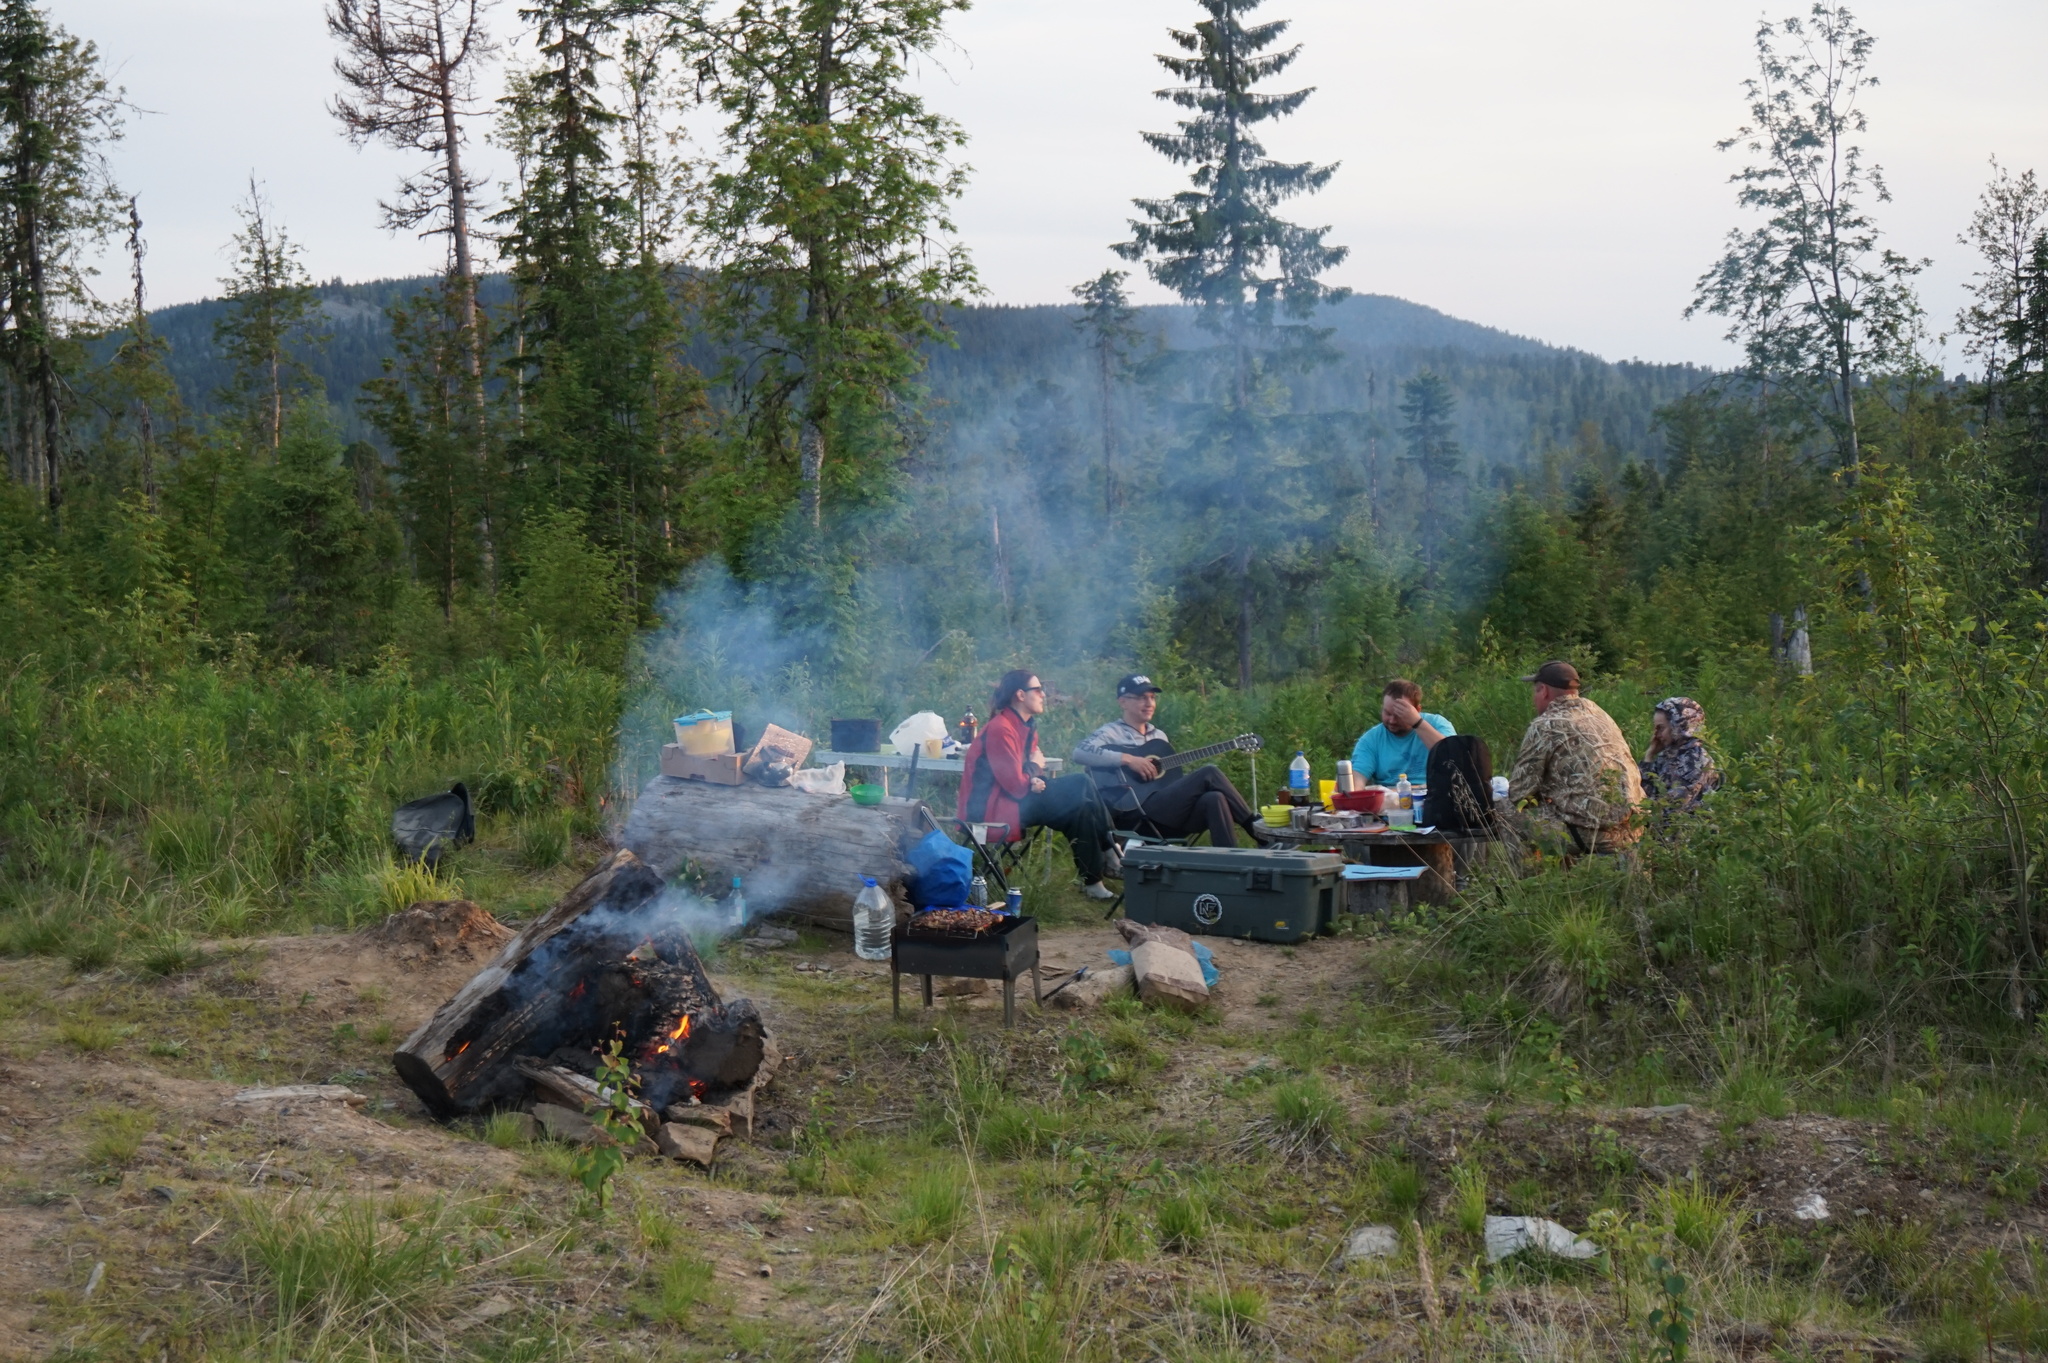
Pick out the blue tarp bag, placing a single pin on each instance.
(940, 871)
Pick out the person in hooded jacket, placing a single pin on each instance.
(1678, 772)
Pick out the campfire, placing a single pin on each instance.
(611, 962)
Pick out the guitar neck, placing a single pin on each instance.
(1196, 755)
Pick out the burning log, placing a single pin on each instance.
(610, 961)
(802, 855)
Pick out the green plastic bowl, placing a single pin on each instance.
(865, 795)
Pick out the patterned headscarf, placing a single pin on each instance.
(1684, 715)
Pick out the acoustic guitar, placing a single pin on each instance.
(1115, 777)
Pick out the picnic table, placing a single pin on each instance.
(887, 762)
(1440, 854)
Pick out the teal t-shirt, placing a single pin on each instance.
(1379, 758)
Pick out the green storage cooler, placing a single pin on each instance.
(1233, 892)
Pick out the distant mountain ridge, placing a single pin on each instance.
(1516, 393)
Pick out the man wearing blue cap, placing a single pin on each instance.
(1138, 799)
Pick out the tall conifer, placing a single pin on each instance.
(1253, 278)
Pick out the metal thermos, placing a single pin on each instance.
(977, 892)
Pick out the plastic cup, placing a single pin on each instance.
(1329, 793)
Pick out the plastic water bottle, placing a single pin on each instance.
(736, 905)
(874, 919)
(1297, 777)
(1404, 793)
(977, 892)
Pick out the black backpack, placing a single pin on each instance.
(424, 828)
(1461, 785)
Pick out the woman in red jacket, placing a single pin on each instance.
(1004, 782)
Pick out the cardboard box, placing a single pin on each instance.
(723, 770)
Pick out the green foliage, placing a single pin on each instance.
(827, 217)
(600, 1160)
(1670, 1323)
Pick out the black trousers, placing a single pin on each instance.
(1203, 799)
(1071, 806)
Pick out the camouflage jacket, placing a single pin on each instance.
(1575, 764)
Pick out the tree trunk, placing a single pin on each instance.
(812, 470)
(465, 275)
(799, 855)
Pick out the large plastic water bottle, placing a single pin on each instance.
(874, 919)
(1297, 776)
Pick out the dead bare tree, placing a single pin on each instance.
(409, 68)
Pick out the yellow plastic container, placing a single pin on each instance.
(707, 733)
(1329, 793)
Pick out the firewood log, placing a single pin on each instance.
(799, 855)
(608, 959)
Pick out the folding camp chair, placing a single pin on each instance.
(998, 857)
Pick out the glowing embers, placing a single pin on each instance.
(678, 1034)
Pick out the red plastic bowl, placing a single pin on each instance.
(1367, 801)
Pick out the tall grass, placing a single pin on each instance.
(234, 798)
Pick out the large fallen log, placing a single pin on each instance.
(798, 854)
(610, 960)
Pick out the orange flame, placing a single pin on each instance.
(682, 1029)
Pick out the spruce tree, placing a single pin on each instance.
(1427, 405)
(58, 113)
(827, 213)
(1253, 278)
(1106, 320)
(598, 369)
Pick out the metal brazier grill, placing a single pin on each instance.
(1002, 953)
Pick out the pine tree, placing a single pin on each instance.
(1221, 246)
(1817, 304)
(1106, 317)
(58, 113)
(411, 68)
(1427, 405)
(827, 209)
(272, 315)
(598, 375)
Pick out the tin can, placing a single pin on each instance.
(1013, 902)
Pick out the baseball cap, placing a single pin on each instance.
(1557, 672)
(1137, 684)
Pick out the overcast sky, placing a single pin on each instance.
(1545, 166)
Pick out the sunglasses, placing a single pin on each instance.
(1039, 689)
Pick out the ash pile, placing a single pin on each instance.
(611, 962)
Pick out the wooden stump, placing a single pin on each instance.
(797, 854)
(608, 960)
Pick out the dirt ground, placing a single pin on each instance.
(78, 1050)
